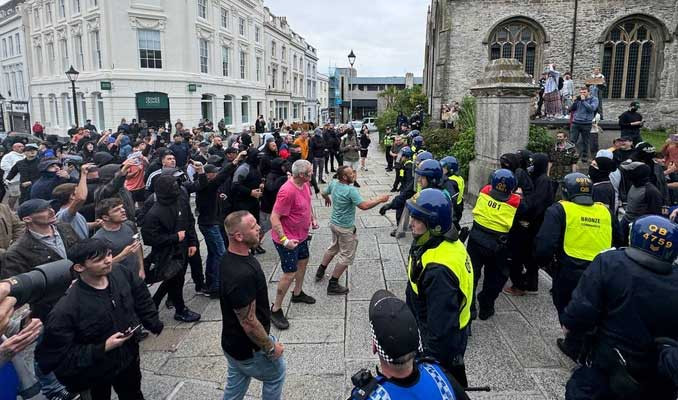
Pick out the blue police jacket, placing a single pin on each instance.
(432, 384)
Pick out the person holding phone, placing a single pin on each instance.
(91, 336)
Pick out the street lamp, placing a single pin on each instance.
(351, 60)
(2, 112)
(72, 75)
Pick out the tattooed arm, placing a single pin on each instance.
(253, 328)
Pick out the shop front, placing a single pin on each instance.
(154, 108)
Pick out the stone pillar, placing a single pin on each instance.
(503, 97)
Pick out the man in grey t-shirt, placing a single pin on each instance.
(115, 228)
(71, 197)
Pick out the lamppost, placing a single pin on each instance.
(72, 75)
(351, 60)
(2, 112)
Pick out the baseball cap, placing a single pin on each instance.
(210, 169)
(31, 146)
(634, 104)
(45, 164)
(30, 207)
(394, 328)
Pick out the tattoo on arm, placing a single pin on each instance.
(253, 329)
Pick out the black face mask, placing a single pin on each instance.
(634, 109)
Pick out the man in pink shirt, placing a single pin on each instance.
(291, 219)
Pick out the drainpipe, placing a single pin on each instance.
(574, 35)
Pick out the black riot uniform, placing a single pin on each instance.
(626, 300)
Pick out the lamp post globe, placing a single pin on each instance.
(351, 60)
(72, 74)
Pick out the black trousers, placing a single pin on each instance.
(593, 383)
(398, 179)
(522, 240)
(127, 385)
(330, 157)
(564, 283)
(197, 274)
(173, 288)
(496, 271)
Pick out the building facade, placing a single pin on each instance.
(365, 92)
(290, 72)
(323, 98)
(154, 60)
(633, 43)
(15, 115)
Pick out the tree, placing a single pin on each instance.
(389, 95)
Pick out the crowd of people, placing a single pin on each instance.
(93, 200)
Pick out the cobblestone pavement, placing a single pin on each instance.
(514, 352)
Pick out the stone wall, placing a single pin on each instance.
(463, 26)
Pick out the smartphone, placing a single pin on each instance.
(130, 331)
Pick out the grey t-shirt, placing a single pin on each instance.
(119, 240)
(77, 222)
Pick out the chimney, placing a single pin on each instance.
(409, 80)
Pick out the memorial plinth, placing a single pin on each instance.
(503, 98)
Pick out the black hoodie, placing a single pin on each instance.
(603, 191)
(276, 177)
(542, 194)
(246, 178)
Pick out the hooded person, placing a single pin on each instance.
(512, 162)
(525, 182)
(277, 176)
(51, 176)
(267, 153)
(247, 186)
(645, 152)
(125, 147)
(643, 197)
(88, 151)
(317, 149)
(603, 190)
(169, 229)
(523, 233)
(112, 184)
(102, 158)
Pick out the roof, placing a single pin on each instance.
(8, 10)
(384, 80)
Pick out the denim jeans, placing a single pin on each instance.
(215, 250)
(49, 384)
(270, 372)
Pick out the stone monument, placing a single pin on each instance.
(503, 98)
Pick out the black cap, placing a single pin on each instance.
(32, 206)
(394, 328)
(210, 169)
(45, 164)
(231, 150)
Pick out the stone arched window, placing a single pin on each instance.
(630, 58)
(517, 38)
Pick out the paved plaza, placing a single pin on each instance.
(514, 352)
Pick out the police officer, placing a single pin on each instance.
(493, 215)
(418, 144)
(440, 286)
(410, 188)
(575, 230)
(628, 299)
(396, 340)
(403, 166)
(454, 185)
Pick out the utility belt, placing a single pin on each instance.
(628, 373)
(502, 238)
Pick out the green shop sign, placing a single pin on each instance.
(152, 100)
(106, 85)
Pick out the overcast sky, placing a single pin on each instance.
(387, 36)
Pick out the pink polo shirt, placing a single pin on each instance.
(293, 204)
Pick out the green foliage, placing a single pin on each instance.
(440, 141)
(655, 137)
(540, 141)
(467, 114)
(456, 142)
(465, 150)
(386, 118)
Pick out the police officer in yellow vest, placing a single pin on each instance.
(574, 230)
(493, 216)
(454, 184)
(440, 286)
